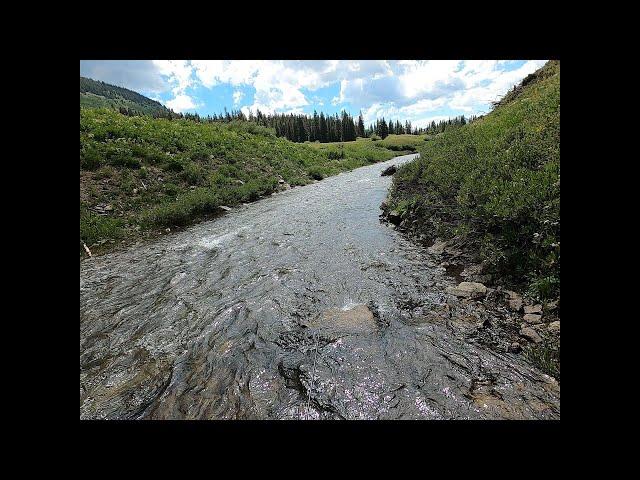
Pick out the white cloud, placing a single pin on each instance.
(182, 103)
(237, 96)
(179, 73)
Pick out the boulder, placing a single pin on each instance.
(389, 171)
(533, 318)
(468, 290)
(395, 217)
(530, 334)
(437, 248)
(533, 309)
(515, 301)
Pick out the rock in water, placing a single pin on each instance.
(335, 321)
(468, 290)
(389, 171)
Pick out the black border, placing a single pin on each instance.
(535, 40)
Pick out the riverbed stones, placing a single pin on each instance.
(530, 334)
(533, 318)
(468, 290)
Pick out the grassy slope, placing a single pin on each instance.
(158, 173)
(496, 184)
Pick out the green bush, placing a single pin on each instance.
(90, 159)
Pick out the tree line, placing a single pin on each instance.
(320, 127)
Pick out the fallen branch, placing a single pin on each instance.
(86, 249)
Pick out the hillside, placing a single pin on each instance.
(491, 189)
(95, 94)
(141, 175)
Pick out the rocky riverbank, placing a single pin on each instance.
(511, 321)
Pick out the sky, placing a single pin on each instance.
(416, 90)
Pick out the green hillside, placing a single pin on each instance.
(494, 186)
(95, 94)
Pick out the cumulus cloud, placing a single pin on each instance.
(182, 103)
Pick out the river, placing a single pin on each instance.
(302, 305)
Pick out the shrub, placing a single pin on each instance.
(90, 159)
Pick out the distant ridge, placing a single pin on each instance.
(97, 94)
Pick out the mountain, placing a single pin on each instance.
(96, 94)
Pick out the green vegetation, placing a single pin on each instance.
(495, 185)
(405, 142)
(157, 173)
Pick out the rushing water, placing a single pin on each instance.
(289, 308)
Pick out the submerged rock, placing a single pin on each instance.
(468, 290)
(356, 320)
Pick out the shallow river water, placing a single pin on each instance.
(293, 307)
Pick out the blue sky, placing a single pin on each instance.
(415, 90)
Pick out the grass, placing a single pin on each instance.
(496, 184)
(159, 173)
(403, 142)
(546, 357)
